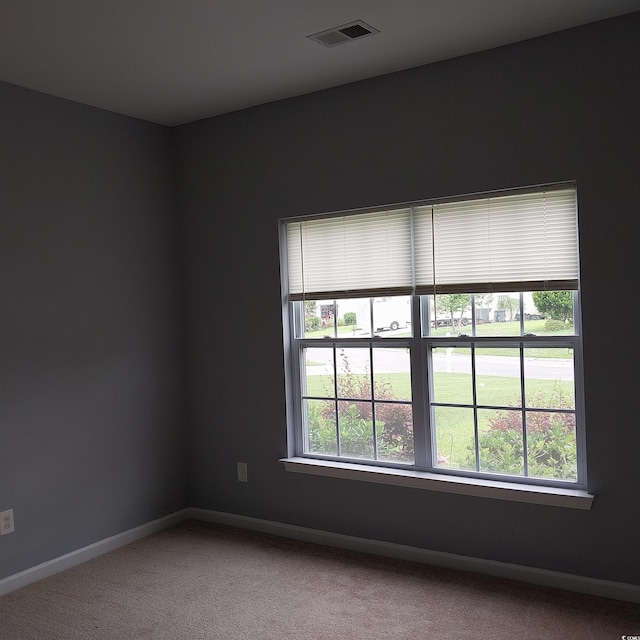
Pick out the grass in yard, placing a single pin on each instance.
(322, 385)
(344, 331)
(500, 329)
(348, 331)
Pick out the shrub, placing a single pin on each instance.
(554, 325)
(551, 441)
(322, 431)
(356, 432)
(395, 431)
(349, 318)
(500, 451)
(311, 323)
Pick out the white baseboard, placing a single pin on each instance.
(531, 575)
(74, 558)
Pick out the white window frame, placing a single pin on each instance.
(423, 474)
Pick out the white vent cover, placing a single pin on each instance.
(343, 33)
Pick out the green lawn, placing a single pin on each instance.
(530, 352)
(489, 330)
(349, 331)
(498, 329)
(344, 331)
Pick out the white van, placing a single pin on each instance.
(391, 313)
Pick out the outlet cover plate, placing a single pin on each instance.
(6, 522)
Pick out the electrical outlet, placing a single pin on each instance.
(242, 472)
(6, 522)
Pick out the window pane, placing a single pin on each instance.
(500, 441)
(354, 317)
(549, 378)
(454, 438)
(392, 316)
(549, 313)
(321, 433)
(354, 377)
(450, 314)
(498, 377)
(318, 372)
(497, 314)
(551, 445)
(392, 374)
(394, 432)
(319, 318)
(551, 435)
(452, 382)
(356, 429)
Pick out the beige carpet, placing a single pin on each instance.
(198, 581)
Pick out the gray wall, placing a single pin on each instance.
(92, 437)
(562, 107)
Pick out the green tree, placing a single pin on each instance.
(558, 305)
(311, 320)
(452, 304)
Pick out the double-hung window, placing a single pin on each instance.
(439, 336)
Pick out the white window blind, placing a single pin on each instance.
(524, 241)
(351, 256)
(518, 242)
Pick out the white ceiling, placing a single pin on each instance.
(175, 61)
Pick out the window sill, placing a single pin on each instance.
(559, 497)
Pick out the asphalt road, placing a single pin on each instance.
(397, 361)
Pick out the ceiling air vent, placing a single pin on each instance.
(344, 33)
